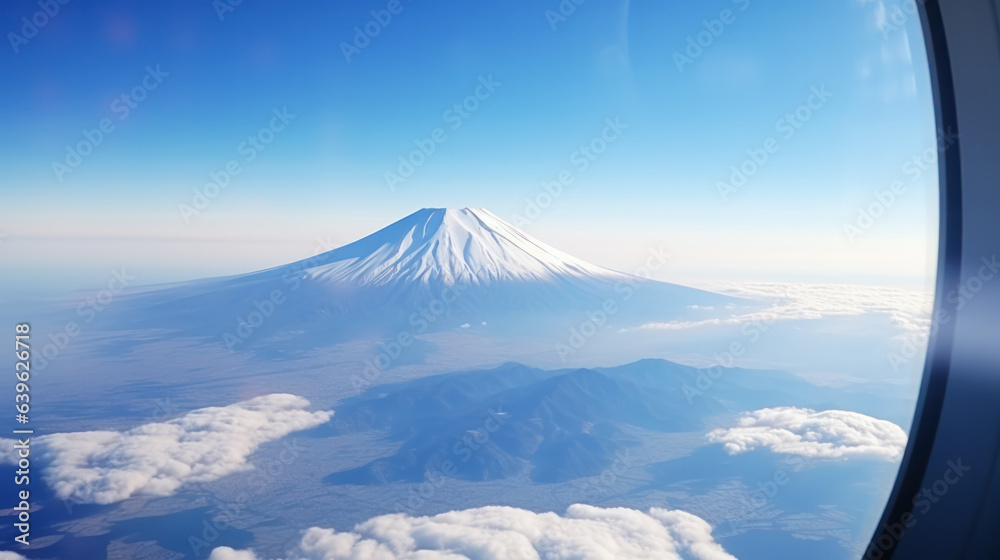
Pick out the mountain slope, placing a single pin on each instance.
(555, 425)
(449, 246)
(435, 269)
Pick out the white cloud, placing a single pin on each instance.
(6, 555)
(226, 553)
(505, 533)
(831, 434)
(8, 456)
(156, 459)
(909, 310)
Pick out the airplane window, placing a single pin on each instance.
(490, 280)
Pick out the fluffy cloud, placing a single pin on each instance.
(5, 555)
(831, 434)
(909, 310)
(156, 459)
(8, 456)
(226, 553)
(504, 533)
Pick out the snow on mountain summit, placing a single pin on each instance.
(451, 245)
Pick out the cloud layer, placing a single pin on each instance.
(831, 434)
(156, 459)
(909, 310)
(504, 533)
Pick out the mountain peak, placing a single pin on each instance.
(451, 245)
(444, 269)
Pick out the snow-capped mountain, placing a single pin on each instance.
(434, 269)
(448, 246)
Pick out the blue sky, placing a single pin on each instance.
(321, 181)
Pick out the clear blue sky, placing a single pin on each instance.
(321, 181)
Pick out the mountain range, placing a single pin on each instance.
(553, 425)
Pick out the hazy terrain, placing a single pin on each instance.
(466, 365)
